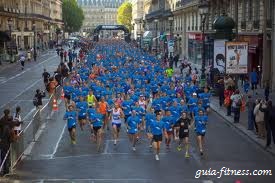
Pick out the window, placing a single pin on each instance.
(256, 9)
(244, 3)
(250, 9)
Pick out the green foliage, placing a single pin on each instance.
(73, 16)
(124, 15)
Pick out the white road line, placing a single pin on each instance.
(17, 75)
(58, 141)
(29, 113)
(106, 147)
(22, 92)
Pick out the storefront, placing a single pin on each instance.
(255, 52)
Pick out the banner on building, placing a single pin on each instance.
(236, 57)
(219, 55)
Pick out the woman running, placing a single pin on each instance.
(70, 116)
(116, 116)
(96, 120)
(132, 128)
(200, 128)
(157, 129)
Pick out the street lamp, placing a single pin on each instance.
(156, 22)
(140, 32)
(11, 52)
(203, 10)
(170, 20)
(34, 41)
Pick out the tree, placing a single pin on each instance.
(73, 16)
(124, 15)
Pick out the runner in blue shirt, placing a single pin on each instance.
(157, 128)
(205, 97)
(70, 116)
(192, 102)
(168, 121)
(82, 107)
(132, 128)
(96, 121)
(68, 89)
(200, 129)
(197, 108)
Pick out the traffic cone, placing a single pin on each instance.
(62, 94)
(55, 106)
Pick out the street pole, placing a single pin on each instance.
(203, 50)
(11, 45)
(156, 38)
(34, 43)
(140, 34)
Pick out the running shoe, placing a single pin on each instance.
(73, 142)
(151, 146)
(201, 152)
(157, 157)
(179, 148)
(187, 155)
(115, 142)
(134, 149)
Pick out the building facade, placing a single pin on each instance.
(137, 17)
(22, 20)
(99, 12)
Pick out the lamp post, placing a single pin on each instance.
(156, 22)
(170, 20)
(203, 10)
(11, 52)
(34, 41)
(140, 32)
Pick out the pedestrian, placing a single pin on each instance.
(17, 117)
(259, 119)
(246, 85)
(46, 77)
(61, 55)
(52, 85)
(227, 100)
(176, 59)
(236, 105)
(29, 56)
(269, 118)
(228, 82)
(250, 112)
(71, 116)
(7, 136)
(65, 55)
(22, 61)
(37, 100)
(220, 89)
(254, 78)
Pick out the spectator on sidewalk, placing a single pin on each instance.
(228, 82)
(269, 118)
(220, 89)
(254, 78)
(246, 85)
(39, 96)
(236, 105)
(227, 99)
(17, 117)
(61, 55)
(259, 119)
(65, 55)
(250, 111)
(46, 77)
(22, 61)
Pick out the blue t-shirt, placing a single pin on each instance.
(168, 123)
(82, 107)
(97, 120)
(70, 116)
(133, 122)
(200, 124)
(126, 104)
(205, 99)
(156, 127)
(192, 102)
(149, 117)
(196, 110)
(68, 90)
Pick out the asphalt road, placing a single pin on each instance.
(54, 159)
(17, 87)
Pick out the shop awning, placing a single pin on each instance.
(4, 36)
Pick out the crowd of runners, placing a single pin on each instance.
(116, 85)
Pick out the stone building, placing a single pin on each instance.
(22, 19)
(99, 12)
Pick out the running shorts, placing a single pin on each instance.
(71, 128)
(157, 138)
(96, 128)
(118, 125)
(82, 117)
(200, 134)
(68, 97)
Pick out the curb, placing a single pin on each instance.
(227, 120)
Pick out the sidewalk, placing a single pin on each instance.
(242, 126)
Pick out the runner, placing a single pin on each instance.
(116, 116)
(82, 107)
(184, 124)
(96, 121)
(150, 116)
(91, 99)
(200, 129)
(168, 121)
(132, 128)
(67, 93)
(103, 109)
(70, 116)
(157, 129)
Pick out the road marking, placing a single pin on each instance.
(59, 139)
(29, 113)
(106, 147)
(22, 92)
(19, 74)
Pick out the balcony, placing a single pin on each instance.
(4, 9)
(161, 13)
(243, 25)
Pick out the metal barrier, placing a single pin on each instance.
(28, 135)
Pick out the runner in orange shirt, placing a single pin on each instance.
(103, 109)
